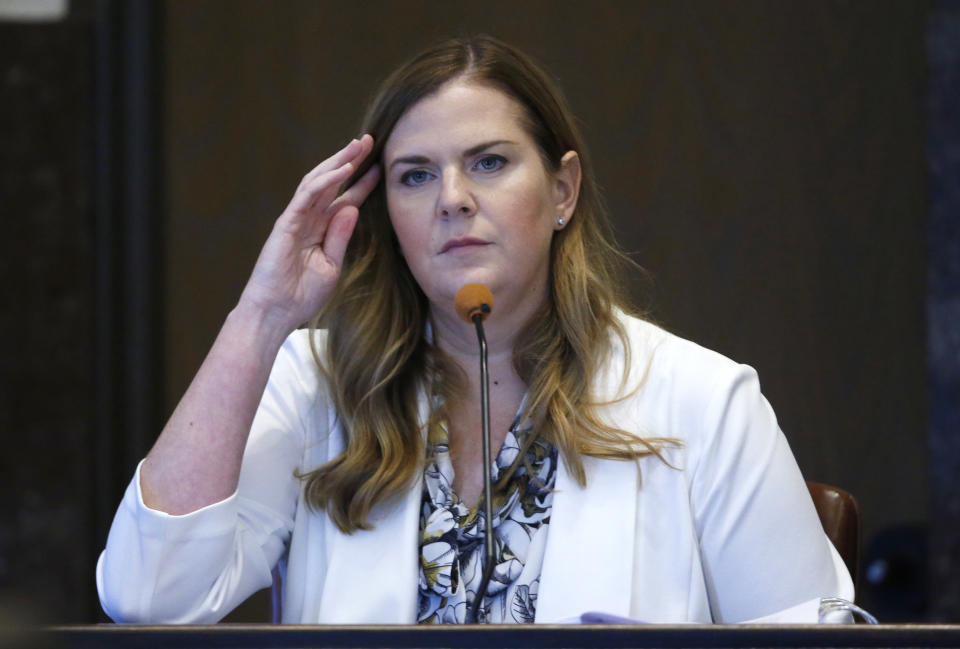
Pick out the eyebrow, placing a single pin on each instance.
(474, 150)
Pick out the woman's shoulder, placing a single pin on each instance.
(685, 391)
(681, 380)
(298, 342)
(670, 356)
(296, 400)
(297, 366)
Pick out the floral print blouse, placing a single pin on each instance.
(451, 534)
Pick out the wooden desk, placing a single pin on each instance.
(495, 637)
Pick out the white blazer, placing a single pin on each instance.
(727, 533)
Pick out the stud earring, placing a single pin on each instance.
(560, 221)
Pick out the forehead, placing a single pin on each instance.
(459, 113)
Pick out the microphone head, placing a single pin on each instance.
(472, 299)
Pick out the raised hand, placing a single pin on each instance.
(301, 260)
(196, 460)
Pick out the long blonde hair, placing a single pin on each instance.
(377, 359)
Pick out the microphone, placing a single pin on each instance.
(473, 299)
(474, 302)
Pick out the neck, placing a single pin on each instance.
(458, 339)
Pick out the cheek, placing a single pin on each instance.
(406, 226)
(529, 205)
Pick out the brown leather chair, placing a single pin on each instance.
(840, 516)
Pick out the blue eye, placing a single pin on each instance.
(490, 163)
(414, 177)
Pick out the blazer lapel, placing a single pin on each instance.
(372, 575)
(588, 560)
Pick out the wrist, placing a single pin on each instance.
(261, 328)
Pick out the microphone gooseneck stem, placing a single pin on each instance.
(489, 542)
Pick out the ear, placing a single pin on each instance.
(567, 187)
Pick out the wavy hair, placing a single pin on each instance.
(377, 358)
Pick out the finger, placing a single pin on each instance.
(320, 192)
(338, 159)
(338, 234)
(354, 151)
(359, 191)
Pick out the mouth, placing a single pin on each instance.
(465, 243)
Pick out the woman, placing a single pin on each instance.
(638, 474)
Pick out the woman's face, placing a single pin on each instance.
(469, 197)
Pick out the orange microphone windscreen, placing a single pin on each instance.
(471, 299)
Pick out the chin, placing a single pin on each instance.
(441, 294)
(485, 277)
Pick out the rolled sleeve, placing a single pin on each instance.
(195, 568)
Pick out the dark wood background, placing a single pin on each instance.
(764, 161)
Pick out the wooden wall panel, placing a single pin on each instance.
(47, 537)
(943, 245)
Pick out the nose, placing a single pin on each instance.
(455, 198)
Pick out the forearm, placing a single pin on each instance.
(196, 460)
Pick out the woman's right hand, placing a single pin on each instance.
(301, 260)
(196, 460)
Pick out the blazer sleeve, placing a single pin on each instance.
(762, 546)
(195, 568)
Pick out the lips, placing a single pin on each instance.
(465, 242)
